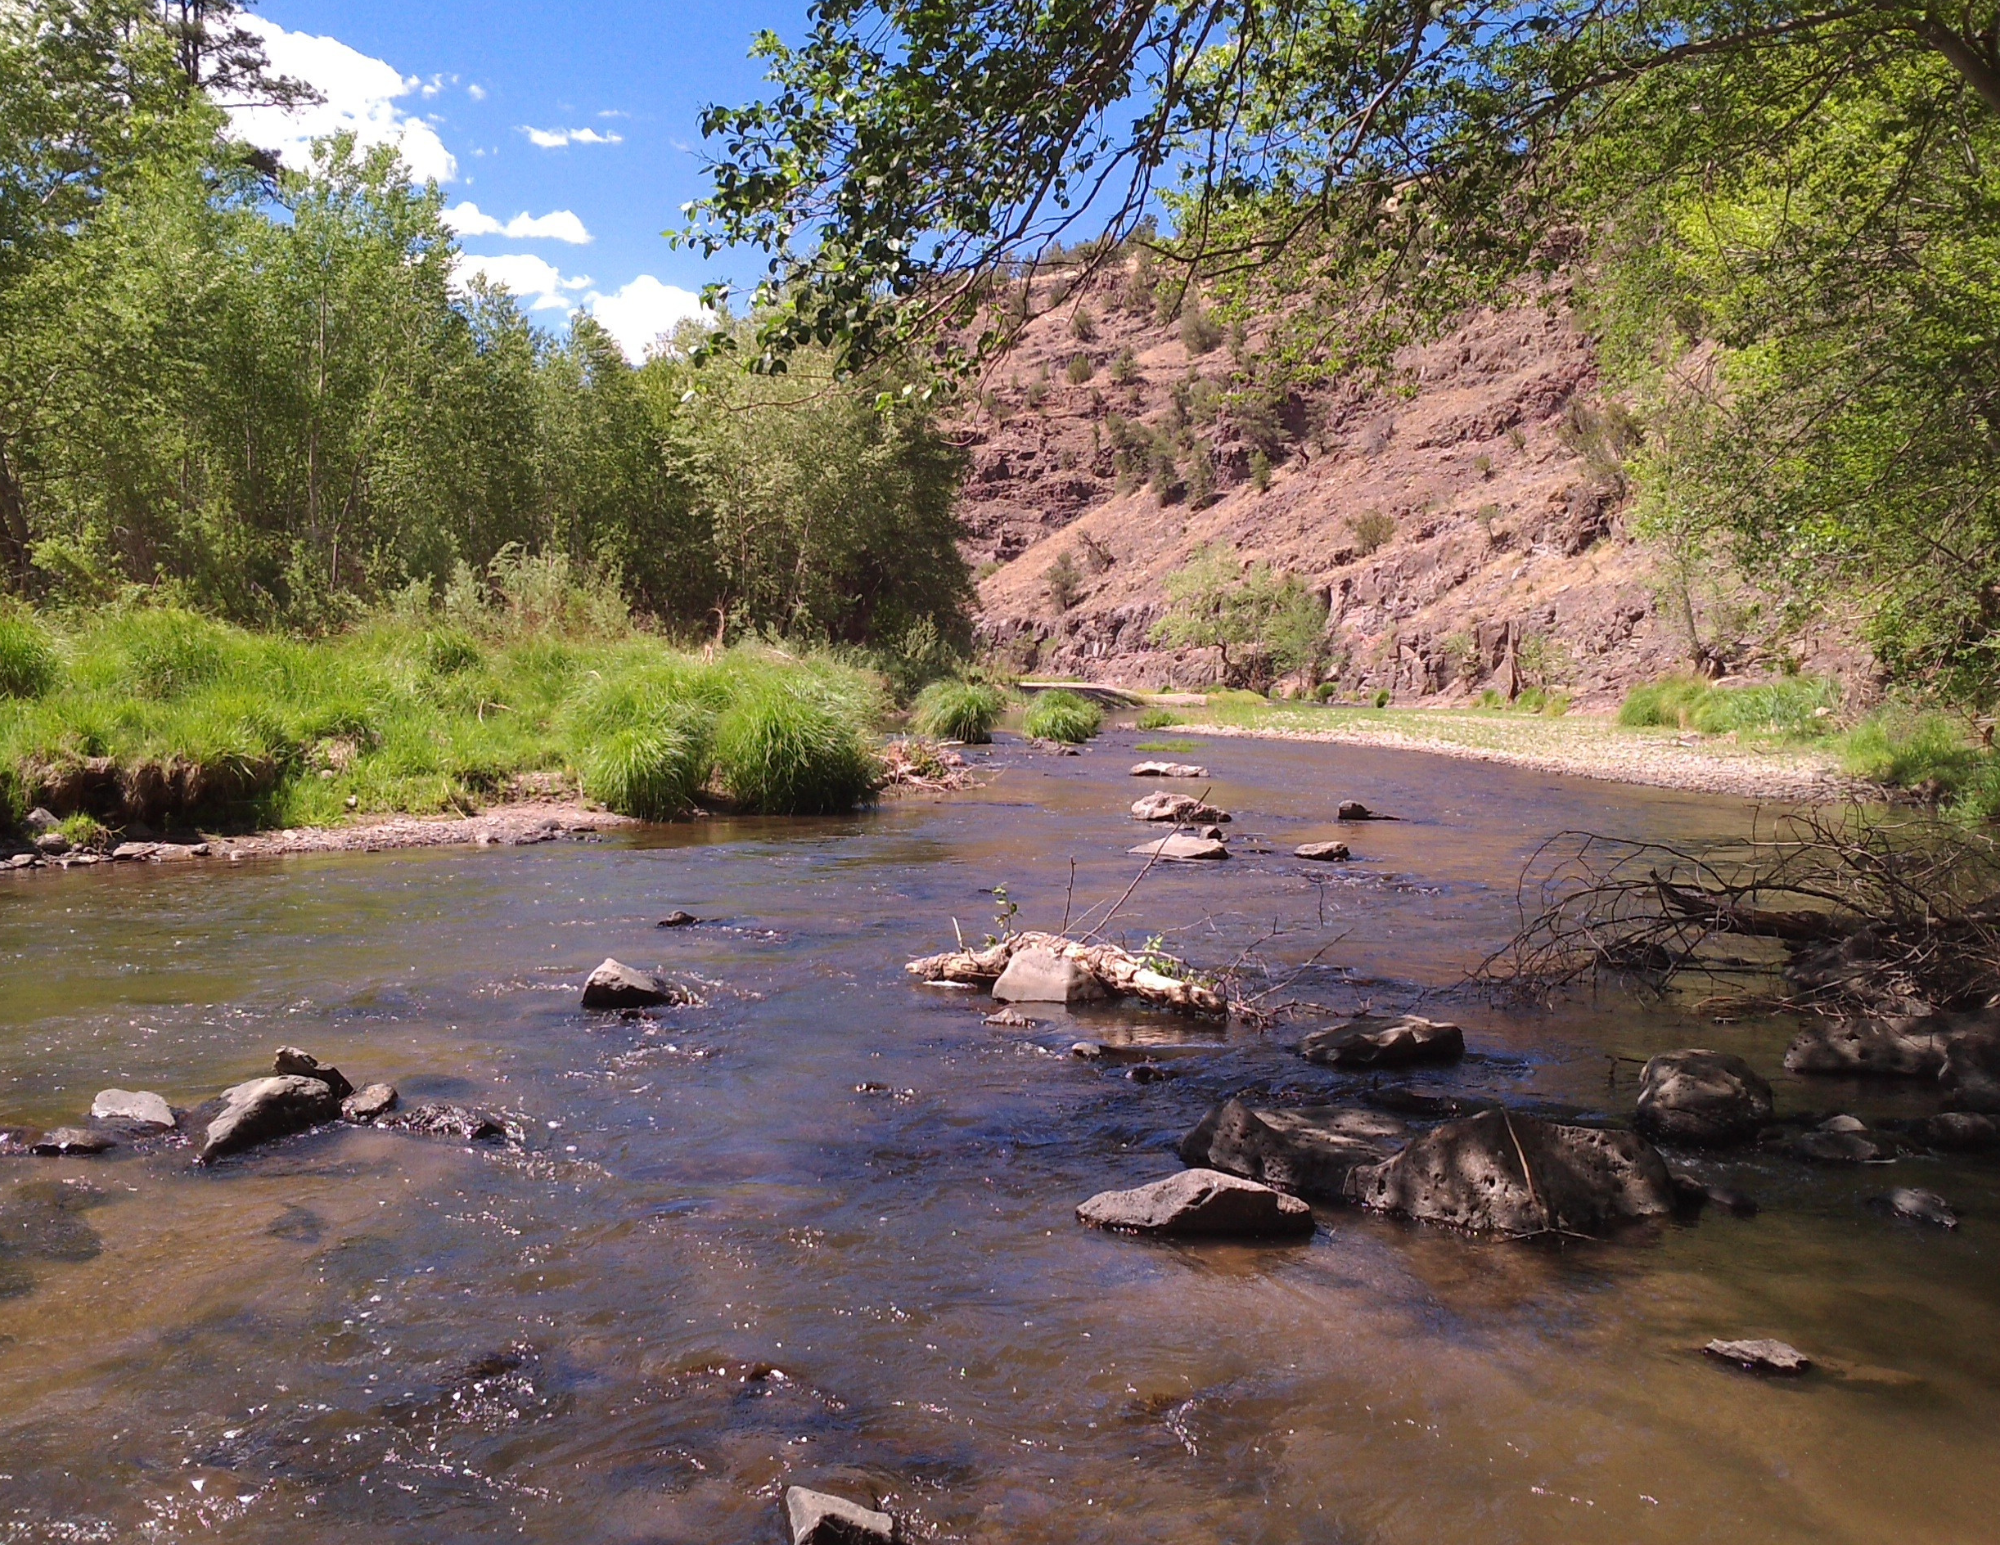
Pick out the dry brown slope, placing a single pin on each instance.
(1504, 533)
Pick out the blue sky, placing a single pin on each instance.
(582, 118)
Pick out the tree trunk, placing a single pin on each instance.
(15, 537)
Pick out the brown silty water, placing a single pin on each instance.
(820, 1230)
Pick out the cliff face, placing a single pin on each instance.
(1487, 474)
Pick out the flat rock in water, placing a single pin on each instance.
(615, 985)
(1499, 1172)
(1306, 1150)
(1200, 1203)
(1760, 1356)
(1841, 1140)
(262, 1110)
(1180, 848)
(141, 1107)
(130, 852)
(1899, 1048)
(1042, 976)
(1923, 1206)
(1168, 770)
(291, 1062)
(819, 1518)
(1184, 808)
(1383, 1041)
(368, 1103)
(67, 1141)
(1704, 1097)
(1322, 852)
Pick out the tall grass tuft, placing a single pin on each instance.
(641, 741)
(1663, 704)
(28, 663)
(1798, 707)
(794, 747)
(1063, 716)
(957, 710)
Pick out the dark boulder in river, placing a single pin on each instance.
(615, 985)
(1708, 1098)
(1502, 1173)
(290, 1062)
(1383, 1041)
(368, 1103)
(1307, 1150)
(265, 1109)
(1904, 1048)
(1970, 1077)
(71, 1142)
(819, 1518)
(1958, 1131)
(1201, 1203)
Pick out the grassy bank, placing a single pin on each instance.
(158, 717)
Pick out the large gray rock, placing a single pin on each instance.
(1181, 848)
(368, 1103)
(615, 985)
(1383, 1041)
(265, 1109)
(1922, 1206)
(1168, 770)
(1307, 1150)
(290, 1062)
(39, 821)
(1184, 808)
(1042, 976)
(1504, 1173)
(1760, 1356)
(70, 1142)
(1903, 1048)
(1200, 1203)
(1322, 852)
(819, 1518)
(1704, 1097)
(1970, 1076)
(141, 1108)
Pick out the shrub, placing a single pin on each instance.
(1326, 691)
(1081, 369)
(1064, 580)
(1382, 698)
(1083, 324)
(1800, 706)
(1260, 471)
(1909, 750)
(1125, 368)
(1157, 719)
(448, 651)
(957, 710)
(1663, 704)
(1372, 531)
(1063, 716)
(786, 747)
(1200, 332)
(1201, 479)
(28, 664)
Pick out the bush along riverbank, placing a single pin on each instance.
(153, 719)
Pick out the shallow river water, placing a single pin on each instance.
(821, 1229)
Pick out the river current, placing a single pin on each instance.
(819, 1230)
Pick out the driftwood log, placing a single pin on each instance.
(1121, 973)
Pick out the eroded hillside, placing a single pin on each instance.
(1465, 524)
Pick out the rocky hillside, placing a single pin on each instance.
(1464, 525)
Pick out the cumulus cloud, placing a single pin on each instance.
(361, 93)
(640, 313)
(476, 91)
(468, 219)
(555, 139)
(535, 280)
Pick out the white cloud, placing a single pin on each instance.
(536, 281)
(476, 91)
(639, 313)
(555, 139)
(468, 219)
(361, 94)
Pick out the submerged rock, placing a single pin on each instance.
(1354, 810)
(1183, 808)
(1200, 1202)
(1761, 1356)
(615, 985)
(290, 1062)
(1705, 1097)
(1922, 1206)
(368, 1103)
(451, 1121)
(1901, 1048)
(1512, 1174)
(1307, 1150)
(1042, 976)
(1180, 848)
(679, 920)
(1168, 770)
(1841, 1140)
(1322, 852)
(262, 1110)
(142, 1108)
(819, 1518)
(1383, 1041)
(69, 1142)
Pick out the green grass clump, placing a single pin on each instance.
(1168, 745)
(1667, 704)
(1063, 716)
(957, 710)
(28, 663)
(794, 747)
(1157, 719)
(641, 740)
(1800, 707)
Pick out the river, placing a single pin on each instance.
(820, 1230)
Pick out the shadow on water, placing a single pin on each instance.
(820, 1228)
